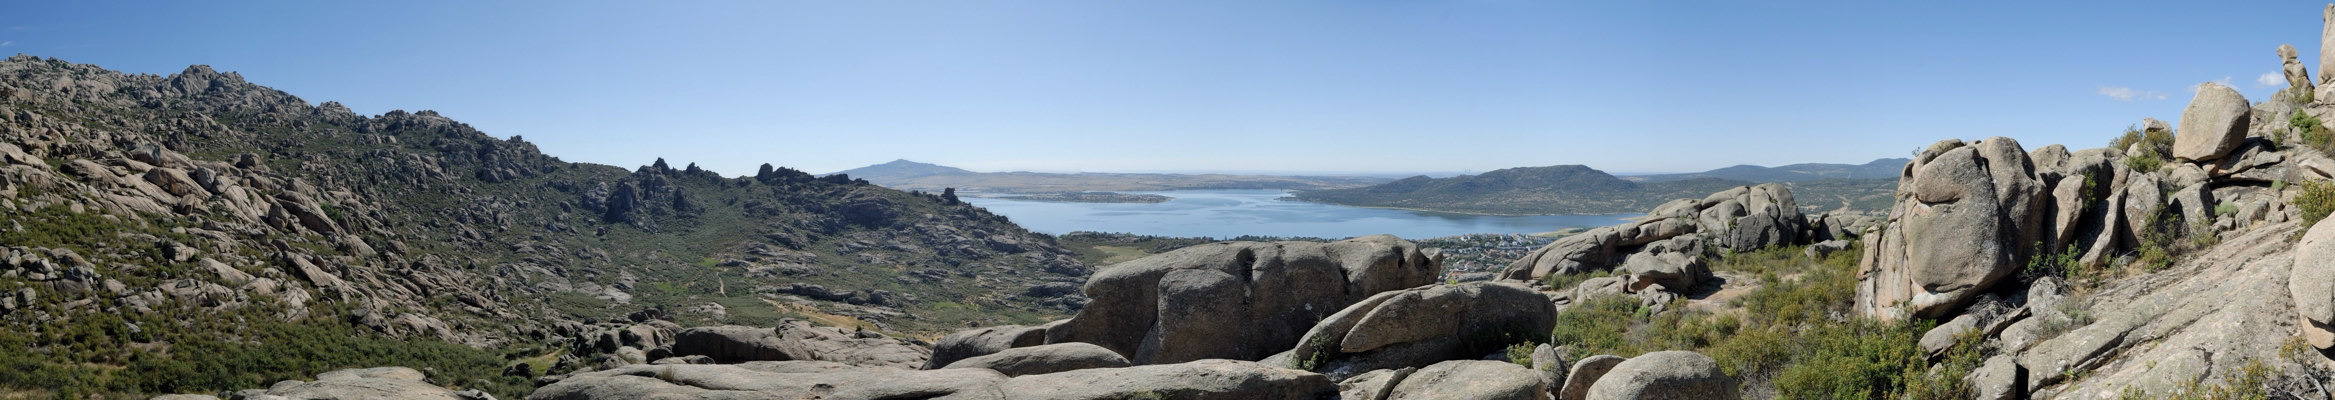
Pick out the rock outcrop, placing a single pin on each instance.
(772, 380)
(2326, 94)
(363, 383)
(1203, 379)
(1423, 326)
(2298, 78)
(797, 340)
(980, 341)
(1236, 300)
(2221, 289)
(2213, 124)
(1967, 216)
(1045, 359)
(1470, 380)
(1585, 374)
(2312, 284)
(1665, 375)
(1664, 251)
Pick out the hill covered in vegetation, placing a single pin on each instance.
(1576, 189)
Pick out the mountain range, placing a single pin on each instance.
(911, 175)
(1886, 168)
(1576, 189)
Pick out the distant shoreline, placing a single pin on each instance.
(1084, 197)
(1487, 214)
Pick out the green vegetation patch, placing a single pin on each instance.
(1788, 339)
(177, 351)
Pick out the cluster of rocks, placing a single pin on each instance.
(1180, 305)
(1970, 217)
(654, 341)
(1361, 318)
(1661, 256)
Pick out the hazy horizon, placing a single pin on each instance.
(1307, 87)
(1390, 174)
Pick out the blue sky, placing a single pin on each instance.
(1289, 86)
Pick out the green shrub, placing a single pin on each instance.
(2316, 200)
(1861, 359)
(2314, 134)
(248, 348)
(1596, 326)
(1316, 352)
(2154, 146)
(2145, 161)
(2066, 264)
(1944, 380)
(1521, 353)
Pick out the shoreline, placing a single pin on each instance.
(1475, 213)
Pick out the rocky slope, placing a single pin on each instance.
(145, 199)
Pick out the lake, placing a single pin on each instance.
(1228, 213)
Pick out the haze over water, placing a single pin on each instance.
(1224, 214)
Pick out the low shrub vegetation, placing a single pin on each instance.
(2154, 147)
(2316, 201)
(1793, 337)
(2313, 133)
(110, 356)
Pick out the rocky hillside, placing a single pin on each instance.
(149, 213)
(1575, 189)
(2170, 266)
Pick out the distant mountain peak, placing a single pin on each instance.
(902, 169)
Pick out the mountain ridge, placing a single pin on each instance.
(1579, 189)
(910, 175)
(1884, 168)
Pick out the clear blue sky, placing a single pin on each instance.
(1319, 86)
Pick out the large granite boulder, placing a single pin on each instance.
(1966, 217)
(1665, 375)
(1585, 374)
(1236, 300)
(2297, 76)
(731, 344)
(1203, 379)
(1373, 385)
(2213, 124)
(797, 340)
(1045, 359)
(983, 341)
(1471, 380)
(2326, 90)
(364, 383)
(2312, 282)
(772, 380)
(1423, 326)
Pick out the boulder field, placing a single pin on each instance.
(1362, 318)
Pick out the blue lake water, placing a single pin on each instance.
(1228, 213)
